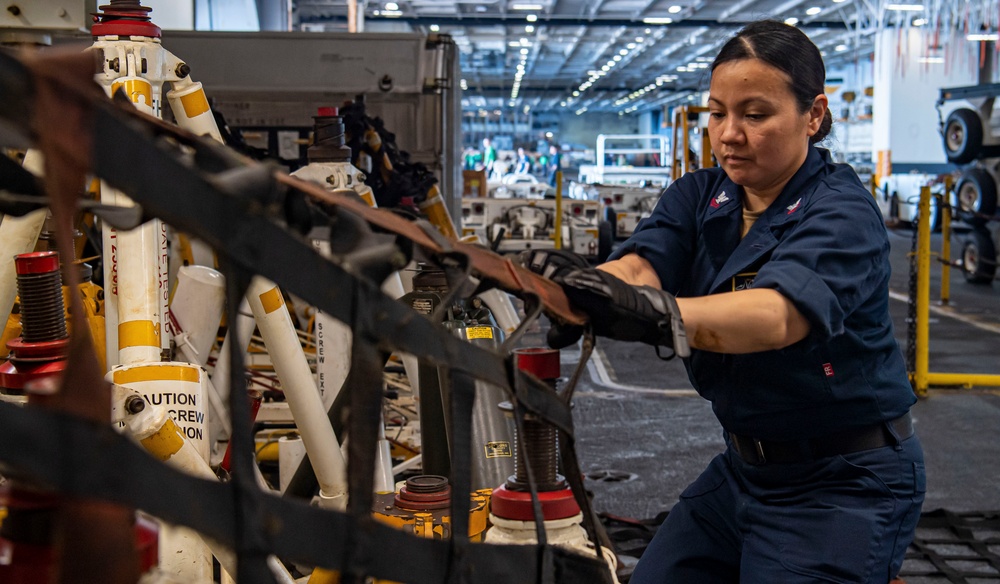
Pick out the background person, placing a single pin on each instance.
(779, 263)
(523, 162)
(489, 156)
(555, 163)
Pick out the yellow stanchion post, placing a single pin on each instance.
(922, 378)
(920, 381)
(558, 227)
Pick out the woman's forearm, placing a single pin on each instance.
(746, 321)
(632, 269)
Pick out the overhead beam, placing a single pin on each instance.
(553, 21)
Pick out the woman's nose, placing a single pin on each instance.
(731, 131)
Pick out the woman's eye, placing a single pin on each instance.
(755, 116)
(717, 115)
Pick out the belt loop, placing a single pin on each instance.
(897, 443)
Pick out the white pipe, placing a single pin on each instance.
(197, 305)
(303, 399)
(139, 304)
(409, 463)
(291, 451)
(196, 313)
(384, 479)
(221, 374)
(109, 236)
(190, 106)
(503, 310)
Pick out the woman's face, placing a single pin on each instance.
(758, 134)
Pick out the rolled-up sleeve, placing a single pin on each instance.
(831, 260)
(667, 237)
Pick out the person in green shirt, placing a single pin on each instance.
(489, 156)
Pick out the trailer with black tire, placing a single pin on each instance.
(972, 143)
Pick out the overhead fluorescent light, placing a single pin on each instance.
(792, 21)
(531, 17)
(983, 36)
(435, 28)
(657, 20)
(931, 60)
(840, 48)
(392, 13)
(526, 7)
(905, 7)
(813, 11)
(919, 21)
(674, 9)
(391, 6)
(529, 29)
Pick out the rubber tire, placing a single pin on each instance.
(985, 204)
(605, 238)
(966, 128)
(978, 245)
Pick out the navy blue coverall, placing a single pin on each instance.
(817, 514)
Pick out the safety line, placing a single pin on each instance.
(949, 312)
(600, 376)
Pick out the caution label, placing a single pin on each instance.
(498, 450)
(480, 332)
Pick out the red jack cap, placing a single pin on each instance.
(38, 262)
(124, 18)
(541, 362)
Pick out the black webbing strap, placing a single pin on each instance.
(364, 386)
(463, 394)
(251, 555)
(567, 450)
(89, 460)
(545, 568)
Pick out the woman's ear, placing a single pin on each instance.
(816, 113)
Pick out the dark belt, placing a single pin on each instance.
(757, 452)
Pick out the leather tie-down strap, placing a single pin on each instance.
(195, 194)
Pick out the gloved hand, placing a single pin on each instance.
(624, 312)
(552, 263)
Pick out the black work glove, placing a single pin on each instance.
(552, 263)
(623, 312)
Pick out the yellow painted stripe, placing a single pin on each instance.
(369, 198)
(272, 300)
(135, 88)
(195, 103)
(156, 373)
(138, 333)
(166, 442)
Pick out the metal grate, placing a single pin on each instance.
(949, 547)
(957, 548)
